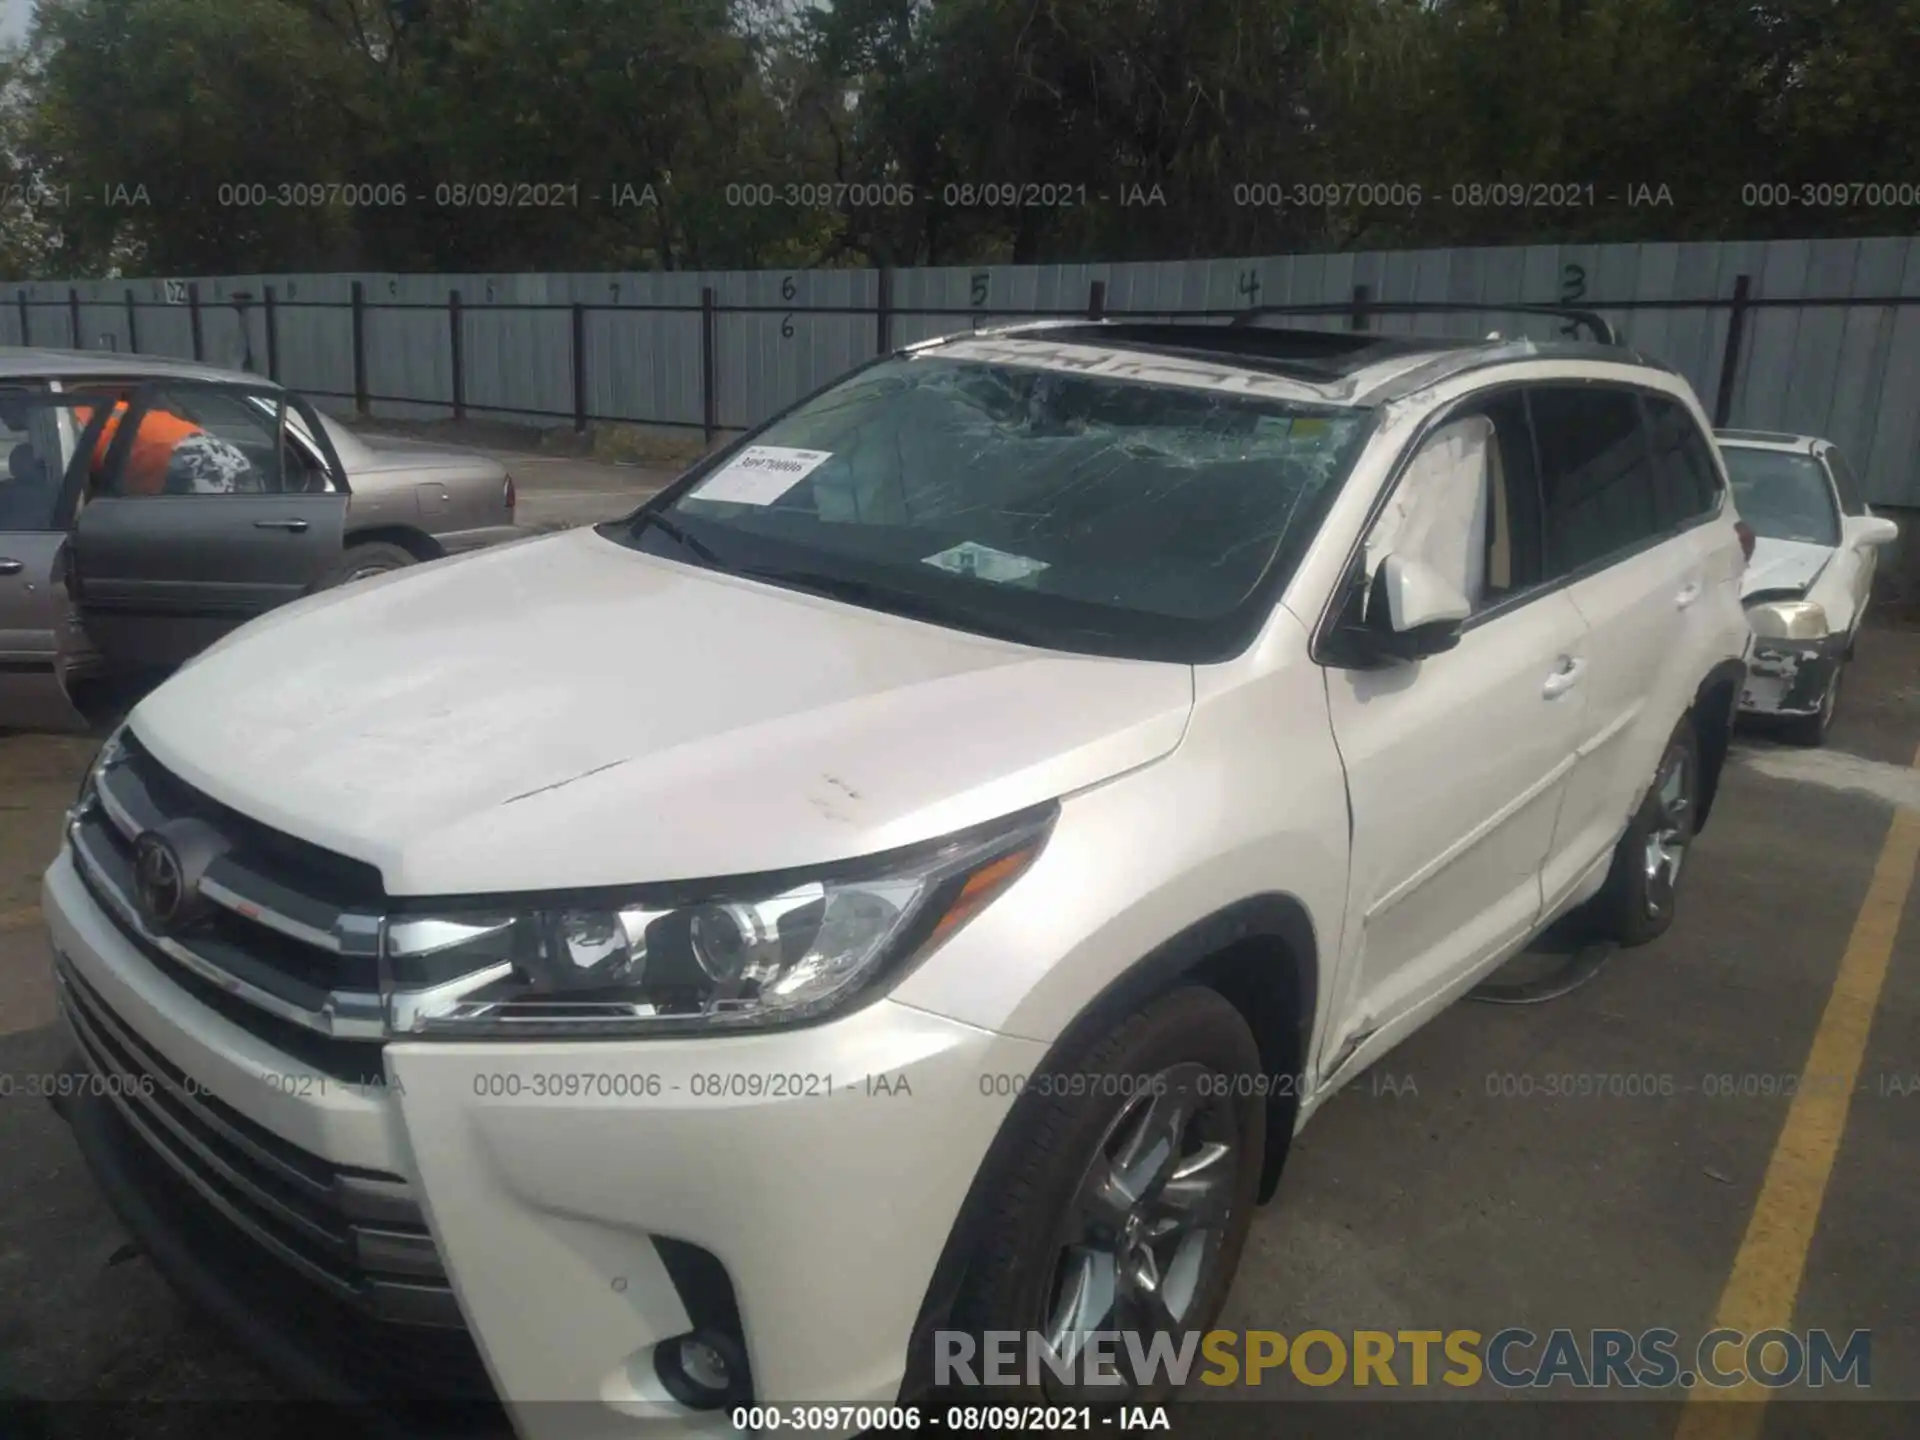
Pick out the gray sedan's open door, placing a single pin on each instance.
(38, 635)
(34, 639)
(199, 515)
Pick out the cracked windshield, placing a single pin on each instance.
(1054, 507)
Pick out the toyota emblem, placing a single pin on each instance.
(158, 881)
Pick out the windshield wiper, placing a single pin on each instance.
(915, 606)
(860, 592)
(672, 528)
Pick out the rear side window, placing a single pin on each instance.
(1853, 500)
(1596, 474)
(1689, 486)
(30, 461)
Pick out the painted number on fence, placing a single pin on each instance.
(1573, 289)
(978, 286)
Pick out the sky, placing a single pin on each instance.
(13, 18)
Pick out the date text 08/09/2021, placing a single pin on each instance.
(952, 1419)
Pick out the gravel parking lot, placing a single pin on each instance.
(1460, 1185)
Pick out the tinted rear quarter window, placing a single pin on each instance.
(1595, 473)
(1688, 484)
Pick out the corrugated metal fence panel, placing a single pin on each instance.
(1866, 335)
(1849, 372)
(643, 364)
(1893, 469)
(770, 355)
(315, 336)
(651, 368)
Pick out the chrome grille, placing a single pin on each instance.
(289, 932)
(356, 1234)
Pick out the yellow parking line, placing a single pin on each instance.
(26, 919)
(1761, 1291)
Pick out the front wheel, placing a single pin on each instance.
(1126, 1203)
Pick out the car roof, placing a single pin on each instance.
(1332, 366)
(22, 362)
(1770, 440)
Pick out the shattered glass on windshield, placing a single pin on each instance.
(1148, 499)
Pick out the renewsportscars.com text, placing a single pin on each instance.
(1513, 1358)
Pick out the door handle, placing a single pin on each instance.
(296, 526)
(1565, 678)
(1689, 593)
(12, 567)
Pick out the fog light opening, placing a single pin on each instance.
(701, 1369)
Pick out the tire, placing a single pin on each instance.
(371, 557)
(1811, 730)
(1050, 1220)
(1642, 890)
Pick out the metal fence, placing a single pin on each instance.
(1819, 336)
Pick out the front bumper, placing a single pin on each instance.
(1790, 677)
(820, 1170)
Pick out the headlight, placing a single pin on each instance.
(669, 959)
(1788, 620)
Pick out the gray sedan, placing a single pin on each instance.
(148, 506)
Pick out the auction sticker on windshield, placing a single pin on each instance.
(759, 475)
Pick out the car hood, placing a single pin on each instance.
(565, 711)
(1784, 565)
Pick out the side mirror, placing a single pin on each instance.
(1413, 610)
(1875, 530)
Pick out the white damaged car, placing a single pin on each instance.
(1816, 547)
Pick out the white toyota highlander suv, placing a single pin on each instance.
(916, 874)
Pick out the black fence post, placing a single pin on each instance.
(1362, 296)
(26, 325)
(579, 368)
(133, 323)
(193, 318)
(271, 320)
(710, 401)
(1097, 300)
(883, 312)
(73, 316)
(360, 347)
(459, 368)
(1730, 360)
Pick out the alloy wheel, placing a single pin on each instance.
(1143, 1233)
(1671, 831)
